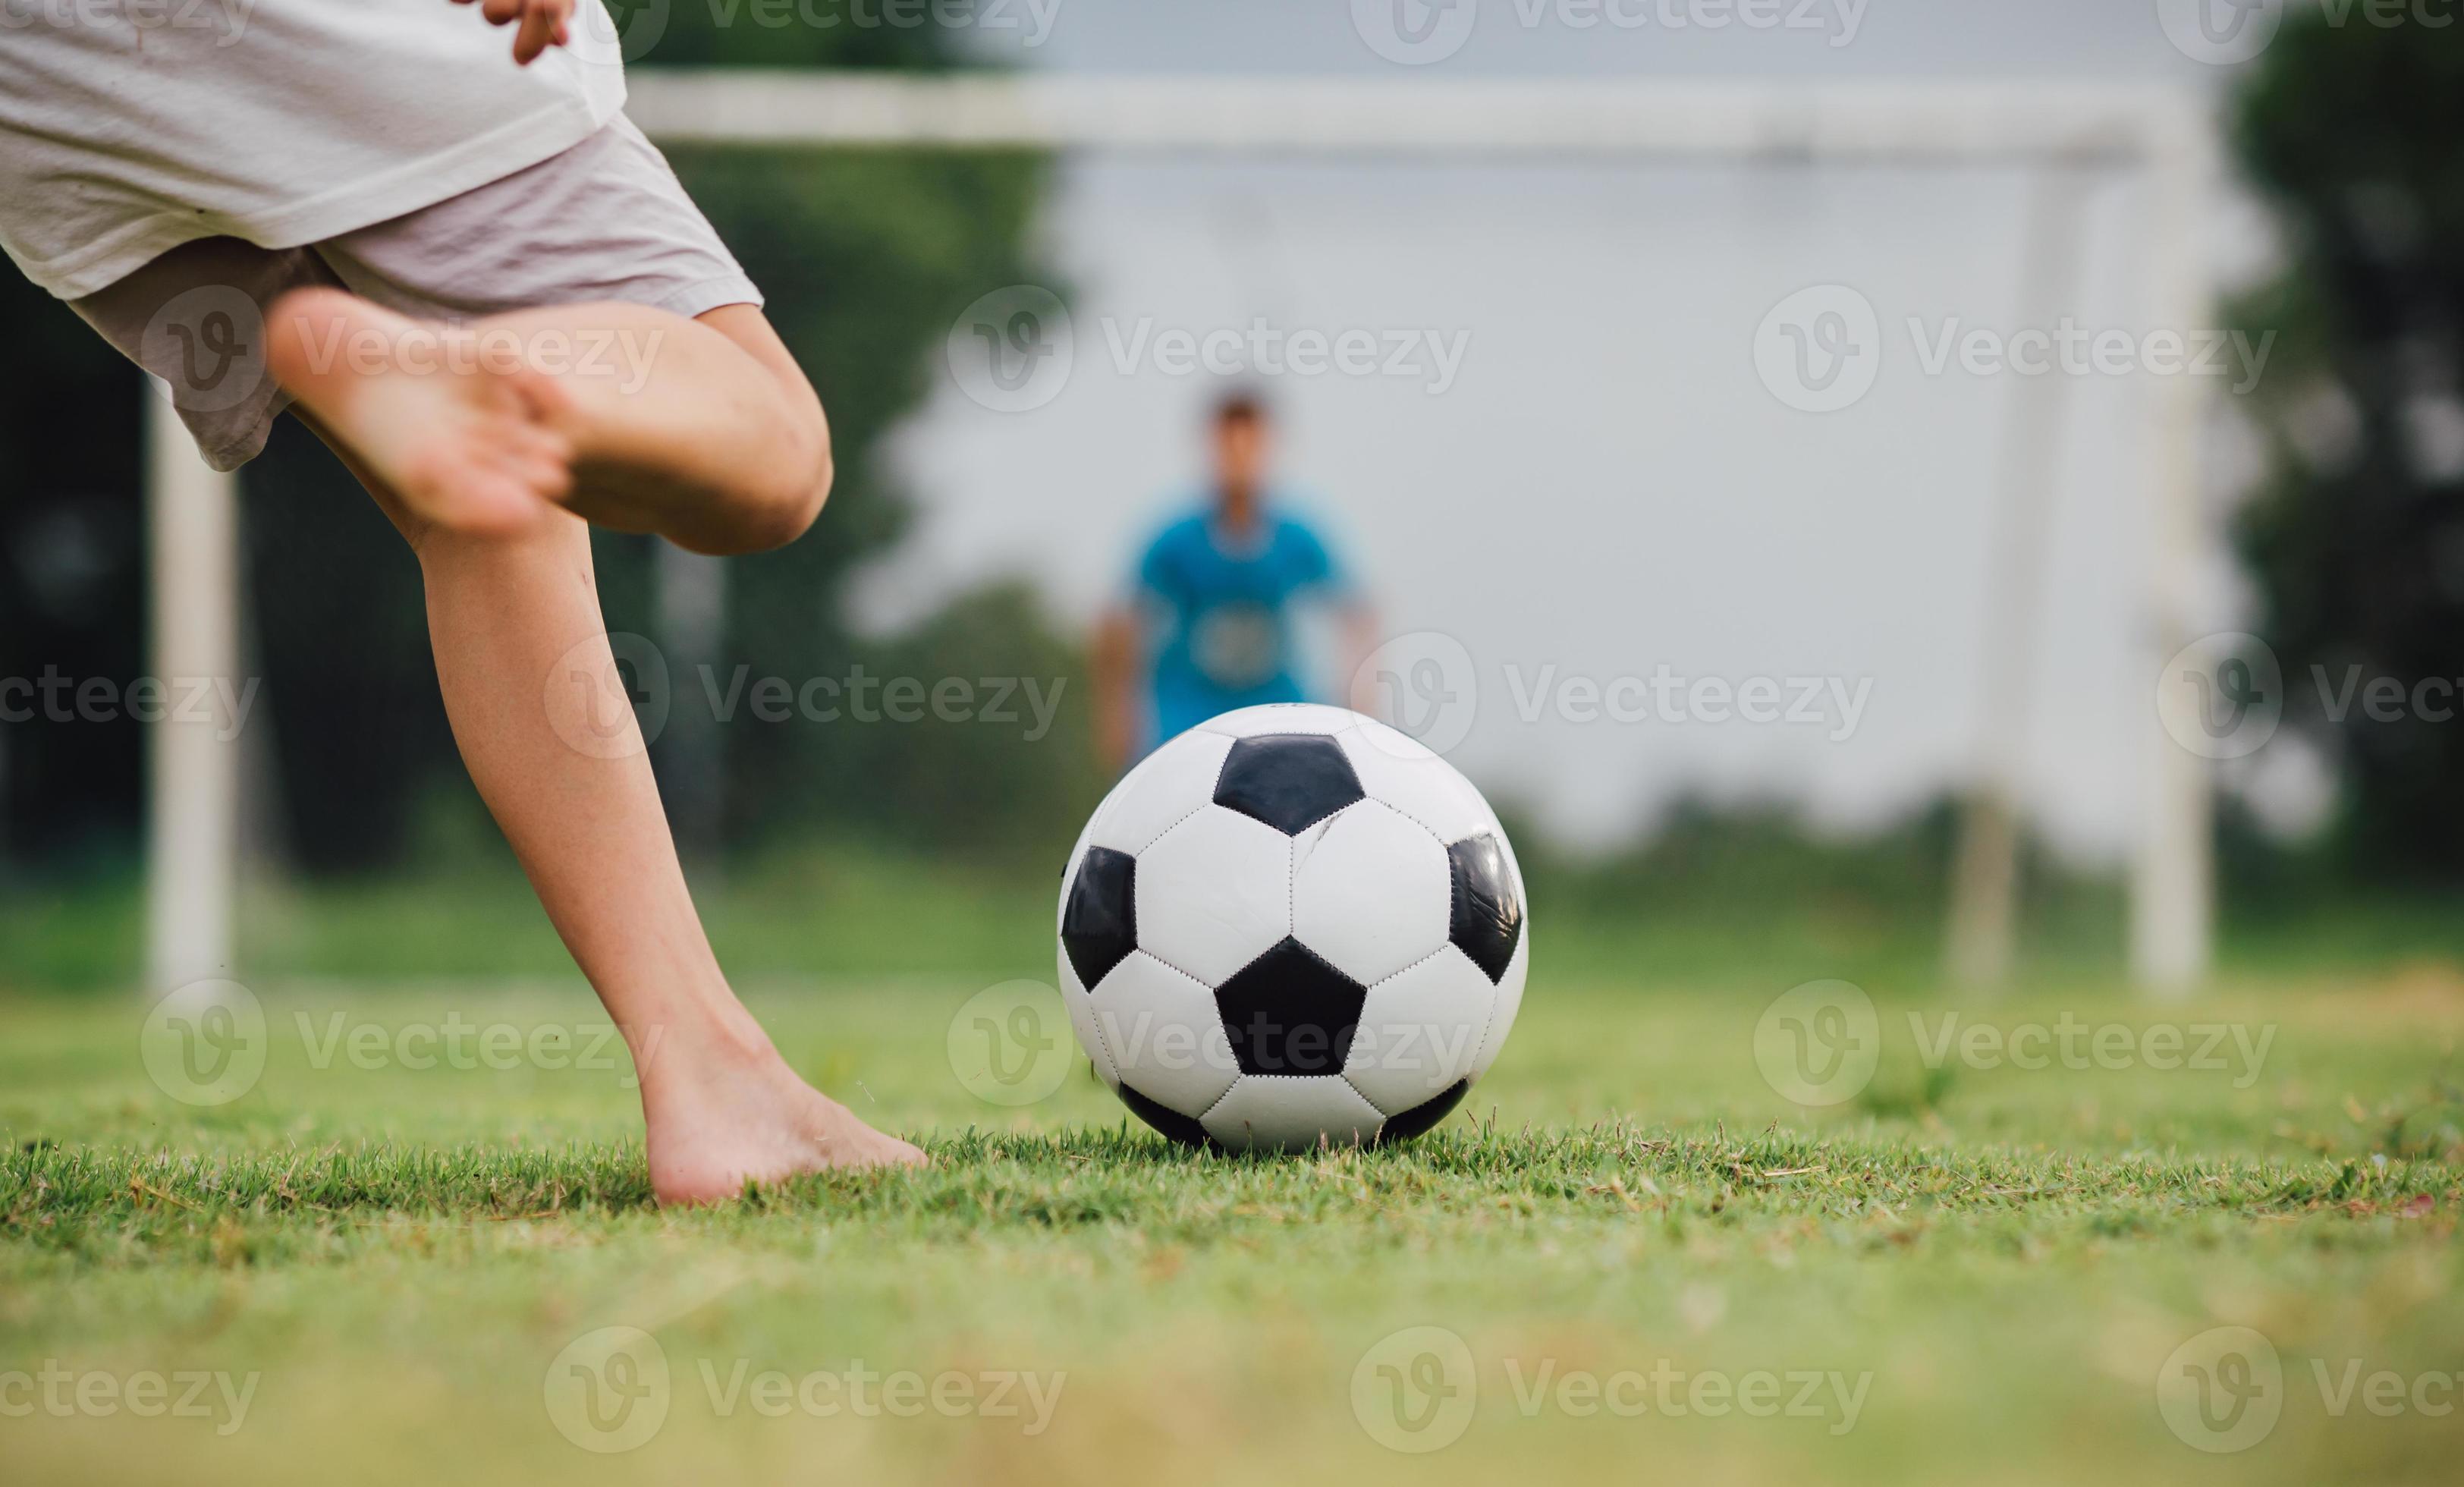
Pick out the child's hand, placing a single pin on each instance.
(543, 23)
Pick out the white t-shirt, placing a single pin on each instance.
(130, 127)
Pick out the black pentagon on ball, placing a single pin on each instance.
(1181, 1128)
(1291, 780)
(1289, 1011)
(1099, 924)
(1422, 1118)
(1487, 910)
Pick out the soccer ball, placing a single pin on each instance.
(1292, 925)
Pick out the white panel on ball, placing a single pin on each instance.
(1509, 1000)
(1166, 786)
(1082, 1022)
(1371, 891)
(1251, 723)
(1214, 893)
(1164, 1034)
(1398, 771)
(1421, 1031)
(1069, 875)
(1288, 1113)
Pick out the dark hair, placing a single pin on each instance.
(1240, 408)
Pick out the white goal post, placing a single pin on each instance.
(2166, 133)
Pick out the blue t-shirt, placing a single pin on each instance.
(1222, 610)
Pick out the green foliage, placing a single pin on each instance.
(866, 259)
(2355, 135)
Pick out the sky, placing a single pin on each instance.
(1565, 475)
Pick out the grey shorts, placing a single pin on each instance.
(606, 220)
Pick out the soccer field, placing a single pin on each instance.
(1637, 1259)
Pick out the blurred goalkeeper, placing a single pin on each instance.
(1210, 625)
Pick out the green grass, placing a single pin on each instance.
(2005, 1257)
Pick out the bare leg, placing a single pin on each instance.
(702, 430)
(513, 619)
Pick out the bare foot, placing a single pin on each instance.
(713, 1127)
(463, 432)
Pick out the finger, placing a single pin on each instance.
(538, 29)
(500, 11)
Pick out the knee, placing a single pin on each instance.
(788, 503)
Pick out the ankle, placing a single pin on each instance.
(691, 1052)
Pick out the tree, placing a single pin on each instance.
(866, 259)
(2355, 135)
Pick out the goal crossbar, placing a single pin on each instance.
(1720, 120)
(2166, 133)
